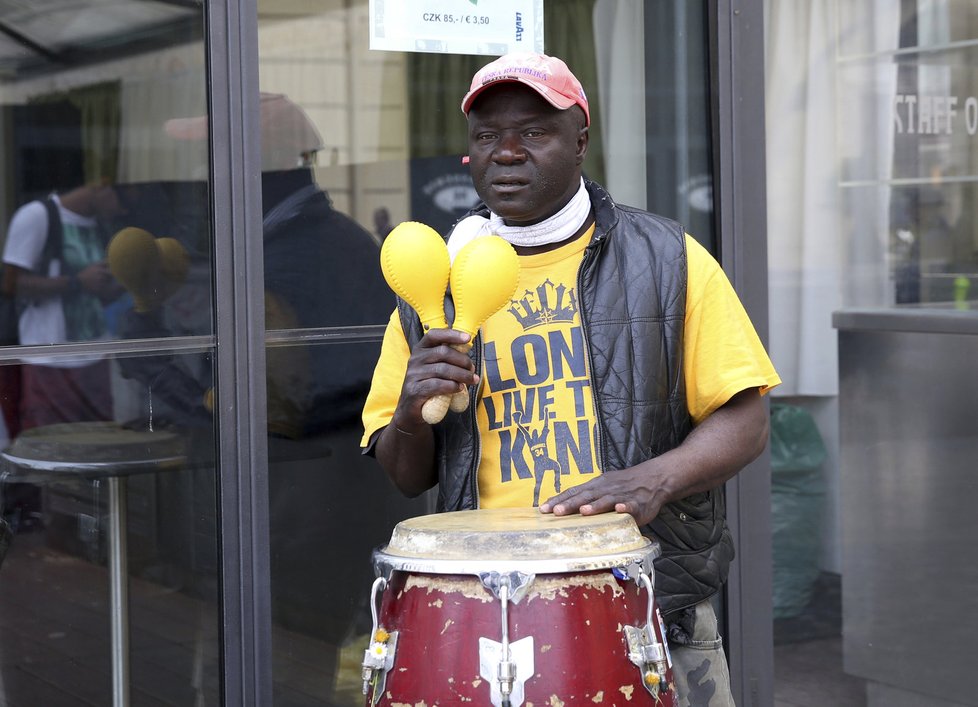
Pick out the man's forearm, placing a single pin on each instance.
(29, 284)
(722, 445)
(408, 457)
(715, 451)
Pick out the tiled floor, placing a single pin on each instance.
(55, 652)
(809, 674)
(54, 635)
(808, 654)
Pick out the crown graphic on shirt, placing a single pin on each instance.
(549, 303)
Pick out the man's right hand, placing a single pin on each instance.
(436, 367)
(406, 448)
(97, 279)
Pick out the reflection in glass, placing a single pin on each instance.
(106, 480)
(354, 142)
(55, 267)
(102, 511)
(329, 509)
(334, 181)
(872, 174)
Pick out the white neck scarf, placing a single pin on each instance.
(559, 227)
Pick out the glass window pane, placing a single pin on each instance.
(101, 509)
(934, 22)
(872, 169)
(107, 473)
(355, 142)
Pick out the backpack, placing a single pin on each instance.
(10, 307)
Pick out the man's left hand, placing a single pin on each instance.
(637, 491)
(716, 449)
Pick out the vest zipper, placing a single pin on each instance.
(473, 402)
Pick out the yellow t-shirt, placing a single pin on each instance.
(535, 413)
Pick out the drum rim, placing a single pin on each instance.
(386, 562)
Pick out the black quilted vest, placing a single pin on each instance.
(632, 295)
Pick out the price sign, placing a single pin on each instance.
(492, 27)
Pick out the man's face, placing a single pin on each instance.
(107, 204)
(524, 155)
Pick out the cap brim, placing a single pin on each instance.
(187, 128)
(555, 99)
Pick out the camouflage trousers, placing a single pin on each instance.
(699, 666)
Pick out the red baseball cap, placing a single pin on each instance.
(547, 75)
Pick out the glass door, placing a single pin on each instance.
(353, 142)
(872, 131)
(109, 577)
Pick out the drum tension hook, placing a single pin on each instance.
(644, 649)
(378, 659)
(506, 665)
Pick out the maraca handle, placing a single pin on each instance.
(434, 410)
(459, 401)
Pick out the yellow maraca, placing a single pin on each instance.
(415, 263)
(150, 268)
(174, 261)
(483, 277)
(134, 260)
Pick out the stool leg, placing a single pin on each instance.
(198, 678)
(119, 591)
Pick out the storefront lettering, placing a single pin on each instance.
(934, 115)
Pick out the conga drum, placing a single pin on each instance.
(512, 607)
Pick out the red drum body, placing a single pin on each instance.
(514, 607)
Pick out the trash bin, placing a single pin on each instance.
(797, 506)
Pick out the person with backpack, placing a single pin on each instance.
(54, 270)
(54, 264)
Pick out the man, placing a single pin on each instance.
(321, 269)
(63, 288)
(627, 343)
(54, 264)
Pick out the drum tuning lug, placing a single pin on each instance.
(506, 674)
(378, 659)
(516, 583)
(634, 571)
(644, 648)
(383, 568)
(513, 660)
(650, 657)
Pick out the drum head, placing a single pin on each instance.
(470, 541)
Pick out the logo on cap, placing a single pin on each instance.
(548, 76)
